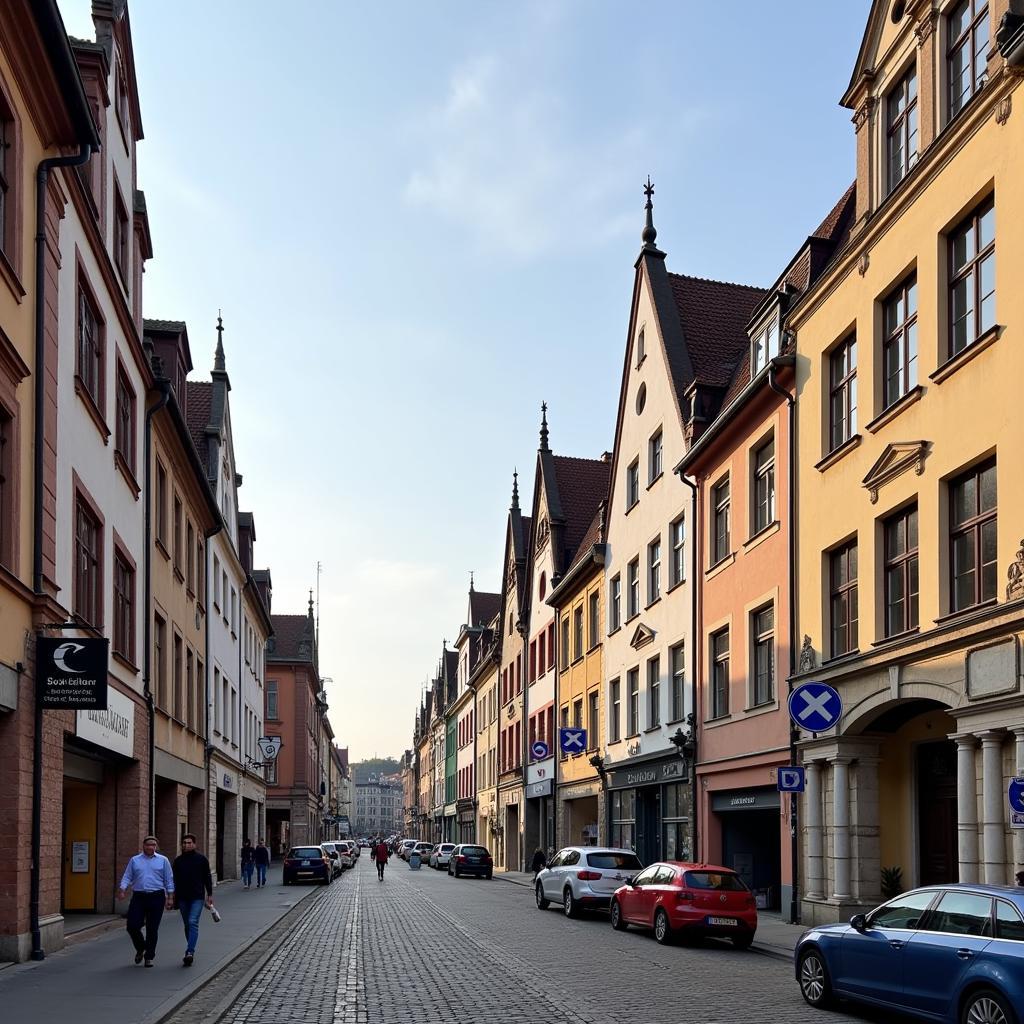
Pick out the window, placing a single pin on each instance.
(764, 347)
(124, 607)
(633, 597)
(159, 662)
(594, 619)
(764, 486)
(966, 63)
(593, 721)
(677, 537)
(1008, 922)
(7, 516)
(178, 681)
(901, 572)
(176, 528)
(161, 503)
(124, 427)
(577, 714)
(216, 583)
(678, 679)
(720, 543)
(899, 349)
(654, 570)
(901, 128)
(88, 593)
(121, 98)
(972, 259)
(720, 673)
(551, 645)
(763, 623)
(633, 483)
(961, 913)
(641, 351)
(563, 659)
(6, 178)
(89, 365)
(200, 571)
(121, 235)
(615, 604)
(843, 393)
(577, 632)
(190, 556)
(633, 708)
(843, 598)
(623, 819)
(272, 700)
(190, 687)
(614, 711)
(972, 541)
(654, 458)
(654, 692)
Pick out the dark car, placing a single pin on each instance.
(469, 859)
(952, 953)
(308, 864)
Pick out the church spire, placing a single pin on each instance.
(515, 490)
(218, 359)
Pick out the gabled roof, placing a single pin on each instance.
(293, 639)
(594, 535)
(582, 486)
(200, 411)
(868, 46)
(483, 607)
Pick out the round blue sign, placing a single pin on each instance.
(1015, 794)
(539, 749)
(816, 707)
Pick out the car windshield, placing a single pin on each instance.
(473, 851)
(446, 848)
(715, 880)
(625, 861)
(306, 852)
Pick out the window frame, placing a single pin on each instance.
(761, 346)
(577, 632)
(902, 336)
(122, 640)
(125, 411)
(677, 669)
(677, 539)
(593, 619)
(655, 457)
(615, 603)
(847, 593)
(974, 525)
(121, 236)
(721, 540)
(633, 484)
(762, 638)
(615, 710)
(89, 369)
(971, 272)
(633, 701)
(8, 486)
(978, 17)
(762, 505)
(654, 571)
(88, 584)
(844, 388)
(905, 127)
(719, 658)
(633, 588)
(654, 692)
(903, 564)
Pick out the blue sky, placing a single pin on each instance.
(420, 220)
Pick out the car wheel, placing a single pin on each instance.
(986, 1006)
(619, 923)
(542, 901)
(815, 984)
(742, 941)
(489, 875)
(662, 929)
(569, 904)
(456, 872)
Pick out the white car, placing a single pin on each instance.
(407, 845)
(423, 849)
(584, 878)
(441, 855)
(347, 851)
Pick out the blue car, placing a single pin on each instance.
(952, 953)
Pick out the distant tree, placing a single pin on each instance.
(362, 770)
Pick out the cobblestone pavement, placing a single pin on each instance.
(421, 946)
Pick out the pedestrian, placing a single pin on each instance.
(373, 850)
(381, 857)
(539, 862)
(193, 887)
(248, 863)
(151, 881)
(261, 857)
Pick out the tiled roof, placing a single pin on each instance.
(200, 405)
(835, 222)
(293, 638)
(590, 538)
(483, 607)
(582, 486)
(170, 326)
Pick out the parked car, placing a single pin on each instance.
(951, 953)
(584, 877)
(423, 849)
(441, 854)
(332, 851)
(364, 844)
(407, 845)
(689, 900)
(307, 864)
(469, 859)
(347, 851)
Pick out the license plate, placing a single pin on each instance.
(474, 860)
(730, 922)
(305, 863)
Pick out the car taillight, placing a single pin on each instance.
(684, 896)
(488, 859)
(460, 858)
(751, 903)
(291, 863)
(588, 876)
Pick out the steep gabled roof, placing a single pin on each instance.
(200, 410)
(293, 639)
(582, 486)
(482, 608)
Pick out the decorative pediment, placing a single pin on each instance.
(543, 532)
(641, 635)
(897, 458)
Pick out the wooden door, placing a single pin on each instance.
(938, 862)
(79, 845)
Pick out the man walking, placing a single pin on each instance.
(261, 855)
(248, 863)
(380, 855)
(193, 886)
(151, 881)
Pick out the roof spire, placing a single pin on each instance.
(515, 489)
(218, 359)
(311, 602)
(649, 232)
(471, 581)
(544, 427)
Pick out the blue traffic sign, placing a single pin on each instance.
(1015, 794)
(539, 749)
(791, 779)
(816, 707)
(572, 741)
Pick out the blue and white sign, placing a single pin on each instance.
(791, 779)
(816, 707)
(539, 749)
(1015, 795)
(572, 741)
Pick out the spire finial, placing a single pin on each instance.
(310, 602)
(544, 427)
(515, 488)
(218, 359)
(649, 232)
(470, 579)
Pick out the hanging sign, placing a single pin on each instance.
(72, 674)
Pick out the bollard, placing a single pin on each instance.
(414, 861)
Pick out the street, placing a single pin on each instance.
(423, 946)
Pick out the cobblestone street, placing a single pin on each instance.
(422, 946)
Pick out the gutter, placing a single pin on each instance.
(695, 646)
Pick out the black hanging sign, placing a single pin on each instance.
(72, 673)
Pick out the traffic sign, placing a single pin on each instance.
(572, 741)
(1015, 796)
(791, 779)
(540, 750)
(816, 707)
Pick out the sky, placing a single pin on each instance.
(420, 221)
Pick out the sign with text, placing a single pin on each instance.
(113, 727)
(72, 674)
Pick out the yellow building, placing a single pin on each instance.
(579, 609)
(910, 500)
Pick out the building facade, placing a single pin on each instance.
(379, 806)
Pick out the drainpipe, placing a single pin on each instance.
(207, 747)
(790, 513)
(42, 180)
(696, 647)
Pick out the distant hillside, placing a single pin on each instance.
(362, 770)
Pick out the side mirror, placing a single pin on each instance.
(859, 923)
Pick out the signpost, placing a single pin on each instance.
(539, 750)
(572, 741)
(791, 779)
(816, 707)
(1015, 796)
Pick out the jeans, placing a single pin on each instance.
(247, 872)
(380, 867)
(191, 911)
(261, 874)
(146, 908)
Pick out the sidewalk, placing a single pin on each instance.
(96, 981)
(775, 937)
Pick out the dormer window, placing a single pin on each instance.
(966, 64)
(901, 128)
(764, 347)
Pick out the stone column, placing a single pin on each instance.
(966, 807)
(841, 827)
(1018, 833)
(993, 823)
(814, 884)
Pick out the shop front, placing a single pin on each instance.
(749, 821)
(507, 853)
(579, 814)
(540, 816)
(466, 822)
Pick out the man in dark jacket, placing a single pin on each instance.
(261, 854)
(193, 886)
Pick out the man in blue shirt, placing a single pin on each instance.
(151, 881)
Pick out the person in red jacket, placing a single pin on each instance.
(380, 854)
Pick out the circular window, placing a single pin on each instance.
(897, 10)
(641, 399)
(543, 587)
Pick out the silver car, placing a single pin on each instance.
(584, 878)
(441, 855)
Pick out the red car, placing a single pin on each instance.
(690, 900)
